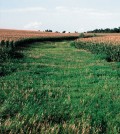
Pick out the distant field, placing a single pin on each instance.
(113, 39)
(15, 35)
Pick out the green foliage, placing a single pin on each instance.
(8, 53)
(10, 49)
(94, 35)
(6, 50)
(59, 89)
(7, 44)
(107, 30)
(81, 35)
(27, 41)
(2, 44)
(110, 52)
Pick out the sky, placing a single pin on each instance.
(59, 15)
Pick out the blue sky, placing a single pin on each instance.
(59, 15)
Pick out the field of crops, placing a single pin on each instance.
(15, 35)
(12, 39)
(107, 45)
(113, 39)
(53, 88)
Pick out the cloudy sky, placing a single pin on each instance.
(59, 15)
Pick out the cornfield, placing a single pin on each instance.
(108, 39)
(108, 46)
(17, 35)
(11, 39)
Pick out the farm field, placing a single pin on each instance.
(109, 39)
(59, 67)
(107, 45)
(15, 35)
(12, 40)
(57, 88)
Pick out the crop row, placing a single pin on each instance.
(109, 51)
(24, 41)
(6, 44)
(8, 48)
(107, 39)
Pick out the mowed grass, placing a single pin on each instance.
(57, 88)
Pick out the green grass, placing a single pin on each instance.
(57, 88)
(9, 49)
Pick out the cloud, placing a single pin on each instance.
(84, 11)
(33, 25)
(62, 9)
(28, 9)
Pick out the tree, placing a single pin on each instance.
(64, 32)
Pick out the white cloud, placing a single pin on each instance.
(84, 11)
(62, 9)
(33, 26)
(28, 9)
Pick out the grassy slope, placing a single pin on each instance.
(57, 88)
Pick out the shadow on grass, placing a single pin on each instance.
(16, 55)
(6, 60)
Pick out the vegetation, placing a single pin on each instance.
(107, 46)
(48, 30)
(107, 30)
(6, 50)
(109, 52)
(9, 49)
(17, 35)
(56, 88)
(83, 35)
(32, 40)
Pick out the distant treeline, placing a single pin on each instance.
(107, 30)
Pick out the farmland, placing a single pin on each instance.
(11, 40)
(15, 35)
(107, 45)
(109, 39)
(61, 87)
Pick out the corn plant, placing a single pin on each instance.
(108, 46)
